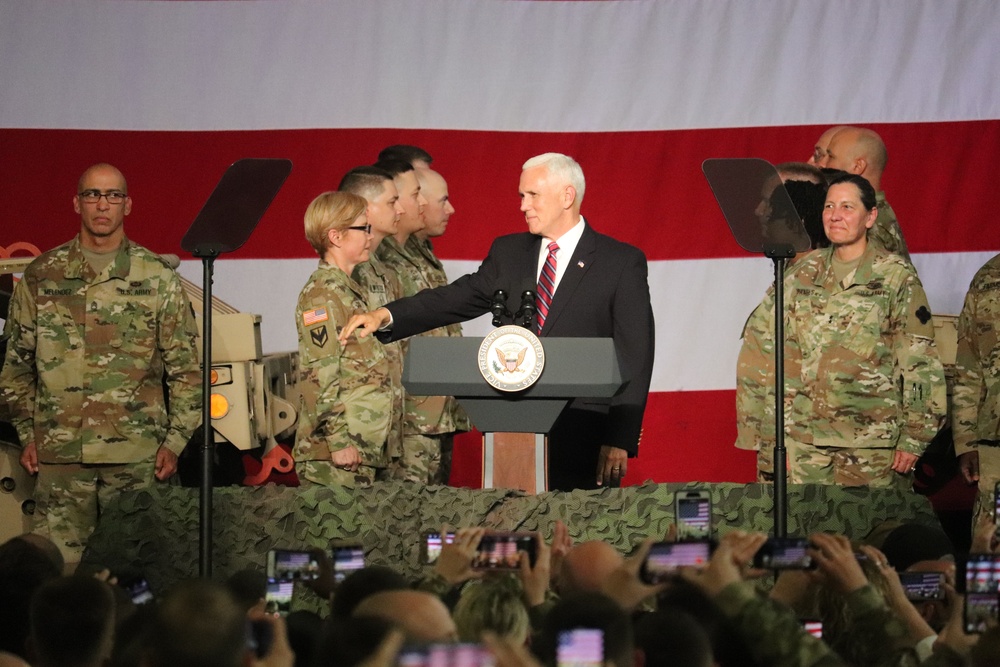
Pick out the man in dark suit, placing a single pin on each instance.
(598, 288)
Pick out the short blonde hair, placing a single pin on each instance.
(331, 210)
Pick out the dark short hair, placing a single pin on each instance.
(404, 152)
(807, 198)
(394, 167)
(366, 181)
(865, 189)
(364, 582)
(71, 618)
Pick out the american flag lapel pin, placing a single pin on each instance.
(580, 264)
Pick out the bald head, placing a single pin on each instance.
(422, 616)
(438, 210)
(857, 150)
(105, 169)
(819, 149)
(587, 566)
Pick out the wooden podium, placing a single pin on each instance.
(514, 424)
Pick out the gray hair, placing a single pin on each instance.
(562, 167)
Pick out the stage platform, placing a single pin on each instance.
(155, 531)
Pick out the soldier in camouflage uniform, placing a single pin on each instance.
(975, 418)
(438, 417)
(866, 390)
(380, 282)
(346, 405)
(861, 151)
(755, 365)
(98, 327)
(428, 429)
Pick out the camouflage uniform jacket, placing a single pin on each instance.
(775, 637)
(755, 377)
(976, 400)
(382, 286)
(862, 366)
(346, 390)
(885, 233)
(89, 355)
(423, 414)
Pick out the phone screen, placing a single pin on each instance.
(582, 647)
(996, 505)
(982, 592)
(813, 627)
(138, 590)
(501, 551)
(286, 564)
(347, 559)
(921, 586)
(278, 598)
(665, 557)
(432, 545)
(694, 515)
(445, 655)
(784, 553)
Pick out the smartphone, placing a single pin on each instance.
(138, 590)
(665, 557)
(693, 510)
(996, 507)
(982, 592)
(813, 626)
(278, 599)
(581, 647)
(922, 586)
(346, 558)
(445, 655)
(501, 550)
(432, 543)
(784, 553)
(285, 564)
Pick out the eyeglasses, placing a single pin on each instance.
(367, 229)
(93, 196)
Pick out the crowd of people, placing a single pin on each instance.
(102, 384)
(848, 608)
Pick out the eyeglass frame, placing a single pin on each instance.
(367, 229)
(94, 196)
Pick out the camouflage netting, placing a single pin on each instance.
(156, 530)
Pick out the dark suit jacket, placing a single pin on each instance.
(604, 293)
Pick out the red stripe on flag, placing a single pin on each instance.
(645, 188)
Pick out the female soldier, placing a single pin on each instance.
(866, 391)
(346, 402)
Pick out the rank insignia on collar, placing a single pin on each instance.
(319, 335)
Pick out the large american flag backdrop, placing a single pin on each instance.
(640, 92)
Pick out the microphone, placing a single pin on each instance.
(499, 307)
(526, 314)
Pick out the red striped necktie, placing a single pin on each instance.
(546, 285)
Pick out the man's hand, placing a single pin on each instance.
(535, 579)
(454, 563)
(968, 464)
(904, 463)
(834, 556)
(612, 464)
(624, 586)
(562, 543)
(348, 458)
(366, 323)
(166, 463)
(728, 563)
(279, 653)
(29, 458)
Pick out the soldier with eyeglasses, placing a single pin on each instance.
(101, 374)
